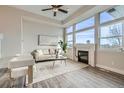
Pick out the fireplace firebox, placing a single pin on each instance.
(83, 56)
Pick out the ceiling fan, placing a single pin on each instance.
(55, 9)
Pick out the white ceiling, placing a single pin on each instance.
(37, 10)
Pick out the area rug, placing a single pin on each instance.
(45, 70)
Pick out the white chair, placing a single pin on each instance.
(17, 69)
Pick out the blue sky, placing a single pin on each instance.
(104, 17)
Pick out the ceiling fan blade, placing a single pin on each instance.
(58, 6)
(53, 5)
(47, 9)
(64, 11)
(54, 14)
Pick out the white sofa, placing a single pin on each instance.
(41, 55)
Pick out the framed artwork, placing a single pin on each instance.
(47, 40)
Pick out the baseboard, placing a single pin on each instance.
(111, 69)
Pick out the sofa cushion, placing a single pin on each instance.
(40, 52)
(52, 51)
(45, 51)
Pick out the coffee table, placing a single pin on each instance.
(60, 57)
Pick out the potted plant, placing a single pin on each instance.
(63, 46)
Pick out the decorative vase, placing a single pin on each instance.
(63, 53)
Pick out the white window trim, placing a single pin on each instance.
(111, 36)
(113, 21)
(85, 29)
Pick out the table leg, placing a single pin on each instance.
(53, 63)
(65, 63)
(30, 74)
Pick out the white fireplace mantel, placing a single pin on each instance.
(86, 47)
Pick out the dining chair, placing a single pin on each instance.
(17, 69)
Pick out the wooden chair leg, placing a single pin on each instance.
(30, 74)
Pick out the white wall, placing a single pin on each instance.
(70, 53)
(111, 60)
(10, 27)
(1, 37)
(32, 29)
(0, 48)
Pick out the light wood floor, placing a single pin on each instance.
(5, 81)
(88, 77)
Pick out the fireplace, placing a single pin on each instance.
(83, 56)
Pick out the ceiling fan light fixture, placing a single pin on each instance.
(55, 10)
(67, 9)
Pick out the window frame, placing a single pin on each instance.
(71, 33)
(69, 27)
(85, 27)
(111, 22)
(85, 30)
(97, 26)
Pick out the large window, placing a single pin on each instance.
(112, 27)
(85, 24)
(111, 36)
(85, 31)
(85, 37)
(69, 40)
(69, 36)
(112, 14)
(69, 29)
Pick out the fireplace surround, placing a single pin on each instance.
(90, 48)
